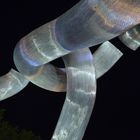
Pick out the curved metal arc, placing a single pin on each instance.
(88, 23)
(92, 22)
(52, 78)
(131, 38)
(105, 58)
(11, 83)
(80, 98)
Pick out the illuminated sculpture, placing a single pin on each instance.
(88, 23)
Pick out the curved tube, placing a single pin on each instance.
(91, 22)
(11, 83)
(105, 58)
(37, 48)
(80, 98)
(88, 23)
(131, 38)
(52, 78)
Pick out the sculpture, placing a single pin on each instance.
(88, 23)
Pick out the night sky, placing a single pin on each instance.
(116, 115)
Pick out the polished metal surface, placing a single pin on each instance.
(91, 22)
(11, 83)
(88, 23)
(105, 57)
(52, 78)
(38, 47)
(131, 38)
(81, 93)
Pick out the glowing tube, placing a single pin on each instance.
(131, 38)
(80, 98)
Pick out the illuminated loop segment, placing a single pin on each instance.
(11, 84)
(131, 38)
(88, 23)
(52, 78)
(80, 98)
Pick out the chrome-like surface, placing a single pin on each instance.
(91, 22)
(11, 83)
(131, 38)
(49, 77)
(105, 57)
(52, 78)
(39, 47)
(81, 92)
(88, 23)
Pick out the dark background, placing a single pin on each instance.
(116, 113)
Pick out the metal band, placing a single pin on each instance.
(11, 83)
(52, 78)
(131, 38)
(81, 92)
(88, 23)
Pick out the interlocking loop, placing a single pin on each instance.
(81, 86)
(88, 23)
(52, 78)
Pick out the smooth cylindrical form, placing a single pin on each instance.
(91, 22)
(37, 48)
(11, 83)
(88, 23)
(52, 78)
(131, 38)
(80, 99)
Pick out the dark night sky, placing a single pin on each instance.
(116, 113)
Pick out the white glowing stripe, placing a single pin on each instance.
(36, 45)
